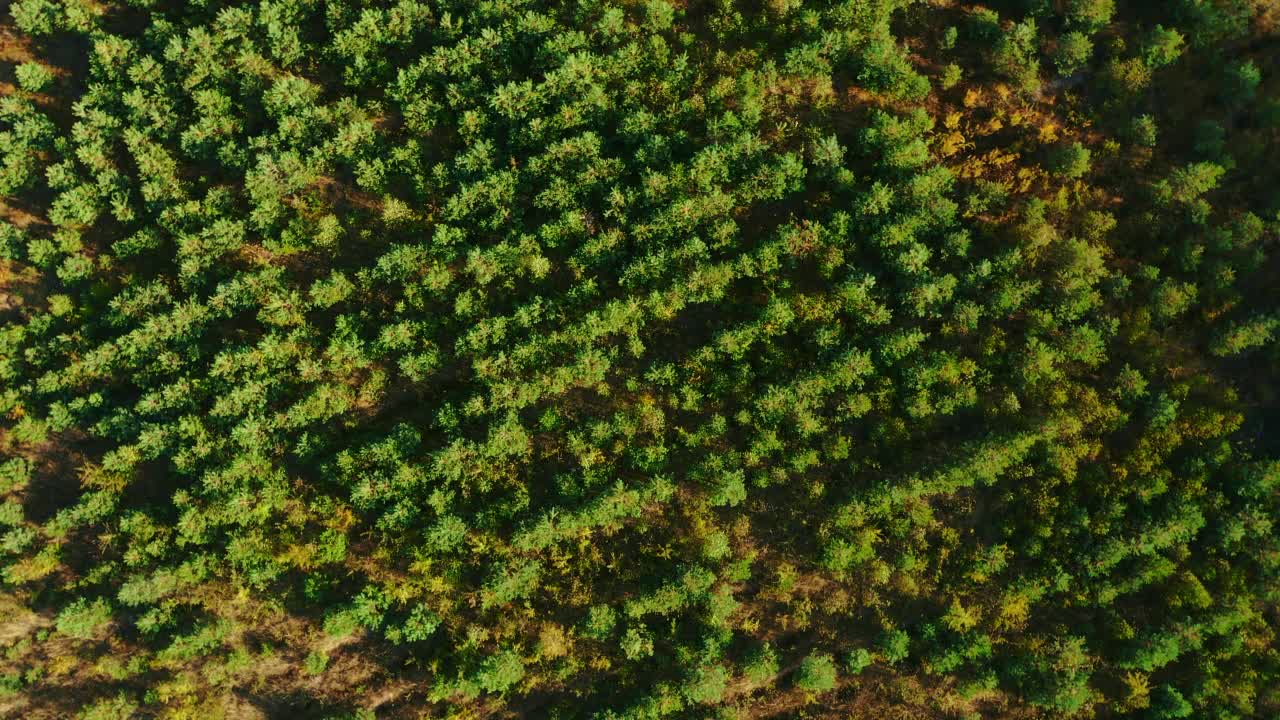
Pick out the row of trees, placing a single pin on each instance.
(643, 360)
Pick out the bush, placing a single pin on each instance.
(316, 662)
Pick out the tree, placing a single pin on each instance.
(1167, 704)
(1070, 160)
(857, 661)
(761, 665)
(1240, 86)
(1015, 57)
(83, 619)
(707, 686)
(1243, 336)
(1144, 131)
(36, 17)
(33, 77)
(1090, 15)
(951, 76)
(1073, 52)
(500, 672)
(1058, 679)
(1162, 47)
(816, 674)
(894, 646)
(576, 356)
(120, 707)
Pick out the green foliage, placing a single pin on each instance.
(1058, 678)
(121, 707)
(500, 672)
(420, 625)
(1162, 46)
(894, 646)
(857, 661)
(36, 17)
(316, 662)
(761, 665)
(1240, 86)
(1015, 55)
(611, 361)
(1073, 53)
(1168, 704)
(1144, 131)
(33, 77)
(949, 37)
(637, 643)
(707, 686)
(84, 619)
(816, 673)
(600, 622)
(1090, 15)
(1070, 160)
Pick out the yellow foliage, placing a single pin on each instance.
(297, 555)
(552, 641)
(951, 144)
(63, 665)
(800, 616)
(1000, 159)
(437, 584)
(972, 97)
(973, 168)
(1014, 611)
(1139, 691)
(342, 518)
(959, 618)
(93, 476)
(32, 568)
(110, 667)
(405, 592)
(175, 689)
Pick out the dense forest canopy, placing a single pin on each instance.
(627, 359)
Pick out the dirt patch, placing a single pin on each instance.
(18, 621)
